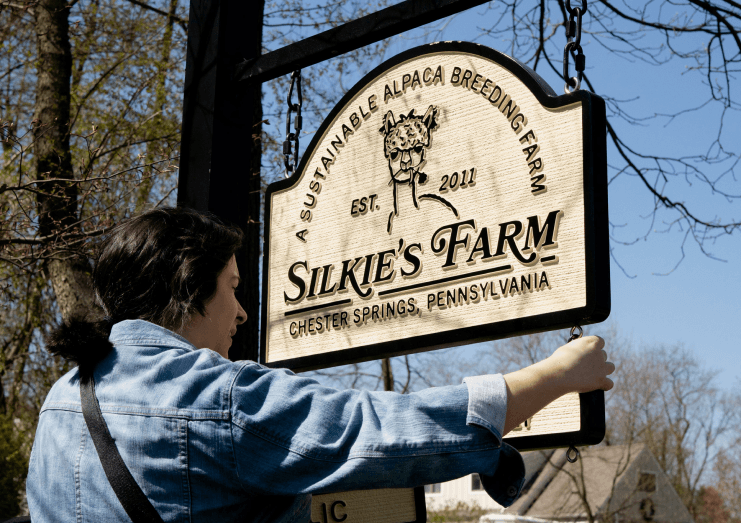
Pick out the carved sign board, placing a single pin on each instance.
(572, 419)
(450, 197)
(405, 505)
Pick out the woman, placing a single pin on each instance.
(208, 439)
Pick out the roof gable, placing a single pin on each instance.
(604, 478)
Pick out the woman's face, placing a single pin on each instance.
(214, 330)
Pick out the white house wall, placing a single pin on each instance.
(459, 490)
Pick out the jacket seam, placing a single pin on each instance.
(234, 459)
(184, 441)
(181, 414)
(481, 422)
(230, 398)
(78, 481)
(151, 342)
(442, 448)
(228, 391)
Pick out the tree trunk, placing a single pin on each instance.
(388, 374)
(160, 97)
(69, 272)
(72, 282)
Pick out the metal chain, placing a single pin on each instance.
(573, 335)
(291, 143)
(572, 455)
(573, 47)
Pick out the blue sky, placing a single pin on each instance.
(697, 303)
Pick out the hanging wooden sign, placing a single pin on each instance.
(370, 506)
(450, 197)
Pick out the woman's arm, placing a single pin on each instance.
(291, 435)
(578, 366)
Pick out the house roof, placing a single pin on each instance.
(603, 476)
(601, 467)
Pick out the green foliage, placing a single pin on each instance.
(13, 467)
(459, 512)
(128, 68)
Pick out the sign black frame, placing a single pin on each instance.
(420, 505)
(596, 225)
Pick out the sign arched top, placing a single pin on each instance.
(449, 197)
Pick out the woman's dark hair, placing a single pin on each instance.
(161, 266)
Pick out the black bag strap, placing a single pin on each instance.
(128, 492)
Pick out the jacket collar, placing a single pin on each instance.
(142, 332)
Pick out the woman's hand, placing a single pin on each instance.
(582, 365)
(579, 366)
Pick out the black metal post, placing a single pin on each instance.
(219, 159)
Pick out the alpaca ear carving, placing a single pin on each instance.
(430, 118)
(388, 123)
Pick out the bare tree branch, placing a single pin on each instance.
(183, 23)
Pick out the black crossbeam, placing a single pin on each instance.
(348, 37)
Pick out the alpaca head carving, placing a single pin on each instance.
(406, 142)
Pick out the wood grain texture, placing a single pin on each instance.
(365, 506)
(559, 416)
(471, 132)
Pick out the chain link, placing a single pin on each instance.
(290, 146)
(573, 335)
(573, 47)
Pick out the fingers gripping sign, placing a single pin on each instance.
(579, 366)
(585, 366)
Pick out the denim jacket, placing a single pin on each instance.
(208, 439)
